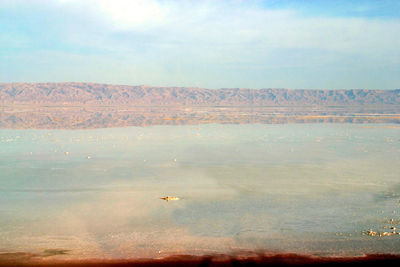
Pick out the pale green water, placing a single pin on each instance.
(306, 188)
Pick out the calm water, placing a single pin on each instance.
(305, 188)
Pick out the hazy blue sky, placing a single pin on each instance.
(228, 43)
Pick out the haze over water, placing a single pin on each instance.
(210, 133)
(304, 188)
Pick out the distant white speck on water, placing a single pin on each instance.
(169, 198)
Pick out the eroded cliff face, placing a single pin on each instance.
(105, 94)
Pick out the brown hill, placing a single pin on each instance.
(104, 94)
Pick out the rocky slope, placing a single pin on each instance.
(105, 94)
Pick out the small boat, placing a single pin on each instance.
(169, 198)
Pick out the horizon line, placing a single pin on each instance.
(197, 87)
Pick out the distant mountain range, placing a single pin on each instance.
(74, 93)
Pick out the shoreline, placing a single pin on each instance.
(282, 259)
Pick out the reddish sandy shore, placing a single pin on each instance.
(215, 260)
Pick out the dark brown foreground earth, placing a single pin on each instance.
(24, 260)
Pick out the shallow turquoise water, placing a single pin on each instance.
(305, 188)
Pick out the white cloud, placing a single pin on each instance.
(194, 40)
(227, 23)
(224, 23)
(125, 14)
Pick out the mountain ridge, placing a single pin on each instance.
(70, 93)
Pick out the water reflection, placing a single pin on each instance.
(26, 117)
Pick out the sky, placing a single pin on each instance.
(313, 44)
